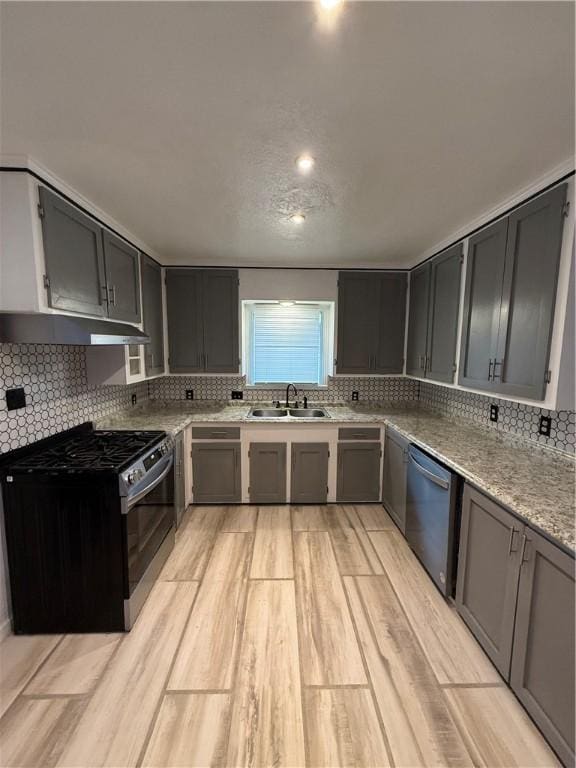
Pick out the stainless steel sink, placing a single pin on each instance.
(305, 413)
(268, 413)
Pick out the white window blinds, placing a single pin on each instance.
(286, 343)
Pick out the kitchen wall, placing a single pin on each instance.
(340, 388)
(514, 418)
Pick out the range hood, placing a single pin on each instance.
(24, 328)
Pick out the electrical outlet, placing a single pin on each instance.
(15, 398)
(134, 399)
(189, 394)
(355, 395)
(237, 394)
(493, 412)
(545, 426)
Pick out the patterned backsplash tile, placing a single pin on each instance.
(514, 418)
(340, 388)
(58, 397)
(57, 394)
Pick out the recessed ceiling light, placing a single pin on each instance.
(297, 218)
(286, 303)
(329, 4)
(305, 163)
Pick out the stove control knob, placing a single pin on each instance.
(133, 477)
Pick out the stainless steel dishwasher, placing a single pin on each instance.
(432, 498)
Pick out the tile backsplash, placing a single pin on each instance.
(339, 389)
(57, 393)
(58, 397)
(514, 418)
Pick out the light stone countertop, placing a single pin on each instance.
(536, 484)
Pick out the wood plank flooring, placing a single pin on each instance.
(276, 636)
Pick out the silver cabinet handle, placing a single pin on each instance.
(430, 475)
(105, 293)
(511, 542)
(112, 295)
(490, 369)
(421, 362)
(524, 557)
(500, 364)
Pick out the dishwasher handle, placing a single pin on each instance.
(429, 475)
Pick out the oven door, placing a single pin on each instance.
(148, 518)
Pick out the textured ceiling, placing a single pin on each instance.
(183, 120)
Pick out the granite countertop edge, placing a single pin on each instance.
(554, 518)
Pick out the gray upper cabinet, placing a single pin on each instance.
(433, 317)
(509, 302)
(358, 473)
(418, 321)
(488, 573)
(74, 257)
(529, 295)
(267, 473)
(202, 309)
(309, 473)
(122, 279)
(371, 318)
(543, 653)
(445, 275)
(216, 476)
(185, 323)
(220, 312)
(153, 322)
(394, 477)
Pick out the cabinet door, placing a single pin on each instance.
(358, 476)
(529, 295)
(391, 323)
(184, 311)
(482, 302)
(216, 473)
(488, 572)
(179, 479)
(543, 654)
(309, 482)
(74, 257)
(418, 321)
(358, 313)
(445, 271)
(153, 320)
(220, 315)
(122, 279)
(394, 477)
(267, 473)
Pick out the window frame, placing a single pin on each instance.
(328, 309)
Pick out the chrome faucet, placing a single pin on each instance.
(288, 392)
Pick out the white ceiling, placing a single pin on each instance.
(182, 120)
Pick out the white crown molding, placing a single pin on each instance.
(25, 161)
(460, 234)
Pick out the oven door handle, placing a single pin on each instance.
(132, 500)
(430, 475)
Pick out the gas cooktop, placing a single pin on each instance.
(89, 451)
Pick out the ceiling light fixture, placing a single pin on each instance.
(305, 163)
(297, 218)
(286, 303)
(329, 4)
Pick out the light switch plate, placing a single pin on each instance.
(493, 412)
(545, 426)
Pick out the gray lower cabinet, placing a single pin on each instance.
(216, 477)
(488, 573)
(309, 473)
(202, 310)
(543, 653)
(371, 318)
(394, 477)
(358, 471)
(267, 473)
(153, 321)
(509, 301)
(179, 479)
(121, 261)
(74, 257)
(433, 317)
(515, 590)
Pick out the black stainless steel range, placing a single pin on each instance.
(89, 524)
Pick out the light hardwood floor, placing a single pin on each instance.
(276, 636)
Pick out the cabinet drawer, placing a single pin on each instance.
(359, 433)
(216, 433)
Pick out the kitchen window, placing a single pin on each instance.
(288, 342)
